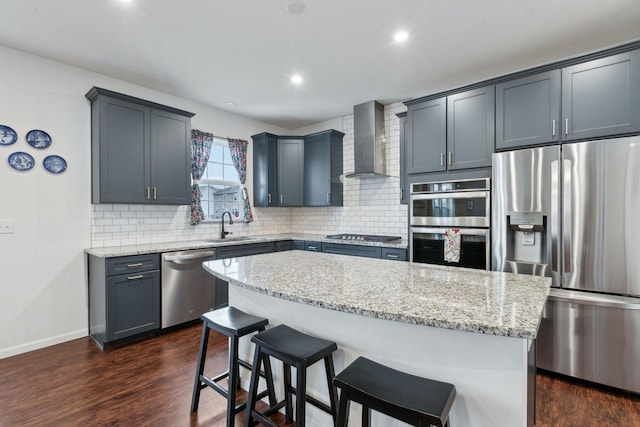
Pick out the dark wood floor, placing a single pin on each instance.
(149, 383)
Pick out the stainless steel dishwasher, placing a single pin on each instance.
(188, 290)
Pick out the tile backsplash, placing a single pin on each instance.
(371, 206)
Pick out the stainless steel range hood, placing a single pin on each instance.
(368, 141)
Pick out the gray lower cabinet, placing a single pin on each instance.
(322, 168)
(140, 151)
(601, 97)
(404, 186)
(124, 296)
(265, 170)
(470, 128)
(355, 250)
(528, 111)
(396, 254)
(234, 251)
(290, 171)
(285, 245)
(426, 142)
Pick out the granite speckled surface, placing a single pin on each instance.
(478, 301)
(115, 251)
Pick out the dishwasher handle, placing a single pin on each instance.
(189, 257)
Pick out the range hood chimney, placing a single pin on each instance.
(368, 141)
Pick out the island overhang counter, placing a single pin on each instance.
(472, 328)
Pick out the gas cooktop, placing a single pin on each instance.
(363, 237)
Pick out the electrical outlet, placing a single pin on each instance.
(6, 226)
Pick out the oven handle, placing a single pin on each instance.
(457, 195)
(441, 230)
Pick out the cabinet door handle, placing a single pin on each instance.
(313, 248)
(441, 159)
(148, 193)
(566, 126)
(155, 193)
(401, 194)
(139, 276)
(137, 264)
(281, 199)
(328, 197)
(450, 157)
(269, 198)
(392, 256)
(553, 128)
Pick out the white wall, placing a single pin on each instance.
(42, 265)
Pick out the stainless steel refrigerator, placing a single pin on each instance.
(572, 212)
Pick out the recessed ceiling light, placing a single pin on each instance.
(294, 7)
(401, 36)
(230, 104)
(296, 79)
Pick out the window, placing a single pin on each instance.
(220, 184)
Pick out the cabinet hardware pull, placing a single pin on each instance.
(553, 128)
(269, 198)
(450, 157)
(441, 159)
(401, 194)
(148, 193)
(137, 264)
(313, 248)
(328, 197)
(155, 193)
(281, 199)
(392, 256)
(566, 126)
(139, 276)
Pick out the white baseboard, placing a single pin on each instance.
(35, 345)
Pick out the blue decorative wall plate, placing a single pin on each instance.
(21, 161)
(8, 136)
(38, 139)
(54, 164)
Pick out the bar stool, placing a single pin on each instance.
(233, 323)
(296, 349)
(408, 398)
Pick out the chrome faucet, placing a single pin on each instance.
(224, 233)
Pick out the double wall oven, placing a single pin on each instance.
(436, 207)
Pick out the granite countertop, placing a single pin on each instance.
(115, 251)
(456, 298)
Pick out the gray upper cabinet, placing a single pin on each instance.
(140, 150)
(470, 128)
(265, 170)
(322, 169)
(290, 171)
(601, 97)
(426, 136)
(528, 111)
(404, 189)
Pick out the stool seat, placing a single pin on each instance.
(293, 349)
(292, 346)
(234, 324)
(406, 397)
(230, 321)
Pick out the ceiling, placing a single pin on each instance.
(245, 51)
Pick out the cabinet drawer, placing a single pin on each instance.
(355, 250)
(132, 264)
(298, 244)
(313, 246)
(245, 250)
(394, 254)
(286, 245)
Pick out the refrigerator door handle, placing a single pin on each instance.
(566, 214)
(555, 218)
(586, 298)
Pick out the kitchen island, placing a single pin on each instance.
(472, 328)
